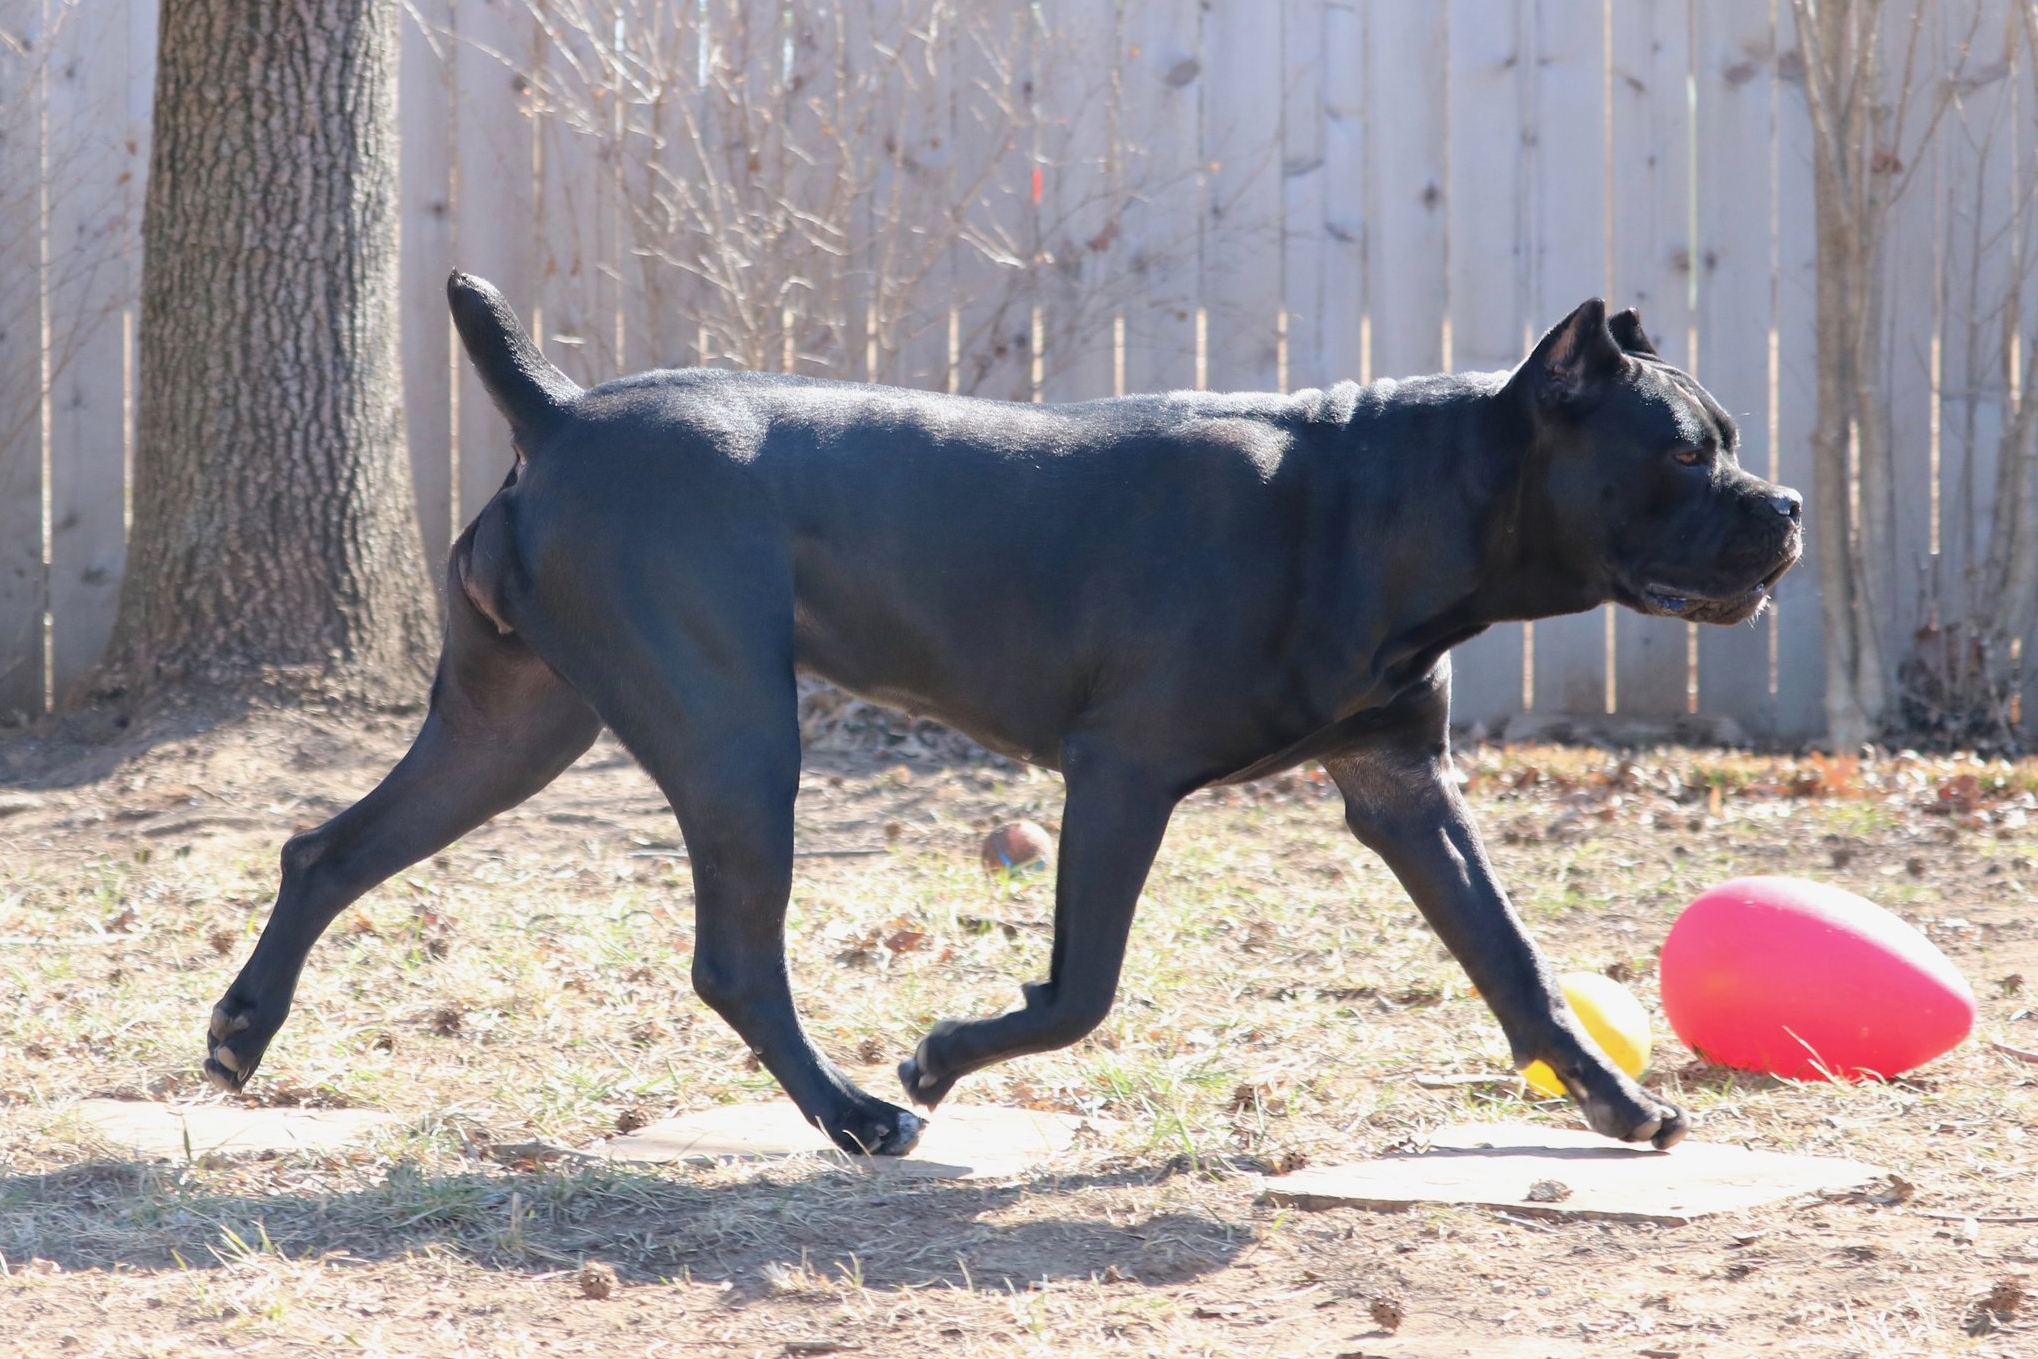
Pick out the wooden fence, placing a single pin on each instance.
(1326, 189)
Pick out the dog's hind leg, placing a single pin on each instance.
(1112, 822)
(699, 685)
(501, 726)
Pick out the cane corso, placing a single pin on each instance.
(1150, 594)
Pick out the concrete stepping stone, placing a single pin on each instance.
(962, 1142)
(212, 1129)
(1566, 1173)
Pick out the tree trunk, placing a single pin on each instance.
(275, 534)
(1847, 725)
(1851, 196)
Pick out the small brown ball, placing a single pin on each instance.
(1017, 847)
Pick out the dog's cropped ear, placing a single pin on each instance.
(1626, 327)
(1574, 360)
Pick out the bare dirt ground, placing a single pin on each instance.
(1280, 1004)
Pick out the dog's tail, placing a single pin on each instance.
(532, 395)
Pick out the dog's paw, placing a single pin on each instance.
(872, 1127)
(233, 1049)
(921, 1074)
(1670, 1129)
(1636, 1116)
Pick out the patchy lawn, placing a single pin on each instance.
(1281, 1000)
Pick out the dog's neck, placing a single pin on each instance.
(1530, 575)
(1481, 443)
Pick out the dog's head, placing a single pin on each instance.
(1635, 487)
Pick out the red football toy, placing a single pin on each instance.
(1808, 981)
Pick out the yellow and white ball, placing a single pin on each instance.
(1614, 1018)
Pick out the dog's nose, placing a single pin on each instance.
(1787, 503)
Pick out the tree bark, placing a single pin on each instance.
(1851, 196)
(275, 533)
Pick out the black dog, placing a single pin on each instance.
(1152, 595)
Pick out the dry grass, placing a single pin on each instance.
(1280, 998)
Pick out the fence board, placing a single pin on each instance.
(1303, 183)
(1912, 318)
(493, 217)
(425, 116)
(577, 318)
(666, 318)
(1487, 203)
(993, 297)
(1163, 90)
(825, 77)
(800, 62)
(639, 346)
(1242, 103)
(90, 171)
(1735, 89)
(1567, 264)
(626, 171)
(1652, 261)
(1406, 51)
(1488, 282)
(1800, 632)
(2024, 241)
(1079, 135)
(1964, 195)
(920, 338)
(1341, 323)
(21, 362)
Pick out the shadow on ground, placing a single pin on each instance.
(890, 1233)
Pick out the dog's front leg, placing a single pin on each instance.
(1113, 818)
(1401, 803)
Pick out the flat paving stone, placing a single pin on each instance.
(964, 1141)
(1560, 1172)
(211, 1129)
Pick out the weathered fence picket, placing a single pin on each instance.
(1734, 99)
(1484, 224)
(1652, 260)
(23, 358)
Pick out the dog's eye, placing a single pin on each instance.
(1691, 457)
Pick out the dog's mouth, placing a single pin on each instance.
(1664, 600)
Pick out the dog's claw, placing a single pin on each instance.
(1640, 1118)
(919, 1074)
(904, 1136)
(223, 1070)
(913, 1078)
(230, 1058)
(923, 1087)
(894, 1138)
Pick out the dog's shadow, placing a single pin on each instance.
(756, 1233)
